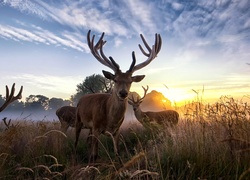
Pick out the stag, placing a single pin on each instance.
(9, 98)
(103, 113)
(167, 118)
(66, 116)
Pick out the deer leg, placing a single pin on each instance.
(78, 129)
(116, 137)
(89, 141)
(116, 145)
(94, 146)
(89, 138)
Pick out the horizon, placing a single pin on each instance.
(205, 45)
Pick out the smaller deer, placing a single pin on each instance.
(67, 117)
(167, 118)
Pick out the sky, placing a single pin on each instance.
(205, 45)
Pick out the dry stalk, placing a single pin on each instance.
(131, 162)
(144, 172)
(242, 176)
(53, 157)
(43, 167)
(85, 172)
(25, 169)
(56, 131)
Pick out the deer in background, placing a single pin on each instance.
(166, 118)
(102, 112)
(66, 116)
(9, 98)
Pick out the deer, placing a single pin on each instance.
(67, 117)
(9, 98)
(103, 113)
(166, 118)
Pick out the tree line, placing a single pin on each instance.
(95, 83)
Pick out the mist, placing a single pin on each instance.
(29, 115)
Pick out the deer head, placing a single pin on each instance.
(10, 96)
(123, 80)
(136, 103)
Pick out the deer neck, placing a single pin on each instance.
(116, 108)
(139, 114)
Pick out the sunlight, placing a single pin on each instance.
(177, 96)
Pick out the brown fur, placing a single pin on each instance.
(67, 117)
(104, 113)
(167, 118)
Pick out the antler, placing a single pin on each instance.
(7, 124)
(100, 56)
(152, 53)
(10, 97)
(139, 100)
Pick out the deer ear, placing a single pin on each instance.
(108, 75)
(138, 78)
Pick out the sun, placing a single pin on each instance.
(177, 96)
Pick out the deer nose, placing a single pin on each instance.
(123, 94)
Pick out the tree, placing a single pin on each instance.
(92, 84)
(55, 103)
(37, 102)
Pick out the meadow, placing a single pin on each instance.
(211, 141)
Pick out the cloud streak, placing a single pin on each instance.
(221, 21)
(43, 36)
(47, 83)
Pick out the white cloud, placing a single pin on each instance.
(177, 6)
(38, 35)
(39, 84)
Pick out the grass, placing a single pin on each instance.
(209, 142)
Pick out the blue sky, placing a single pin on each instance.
(205, 43)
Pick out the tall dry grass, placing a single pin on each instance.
(211, 141)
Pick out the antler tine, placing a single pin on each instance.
(152, 52)
(146, 45)
(7, 124)
(158, 42)
(133, 62)
(10, 97)
(145, 92)
(100, 56)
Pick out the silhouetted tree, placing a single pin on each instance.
(37, 102)
(92, 84)
(55, 103)
(156, 101)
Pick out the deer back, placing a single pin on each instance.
(167, 117)
(67, 114)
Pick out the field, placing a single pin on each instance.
(209, 142)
